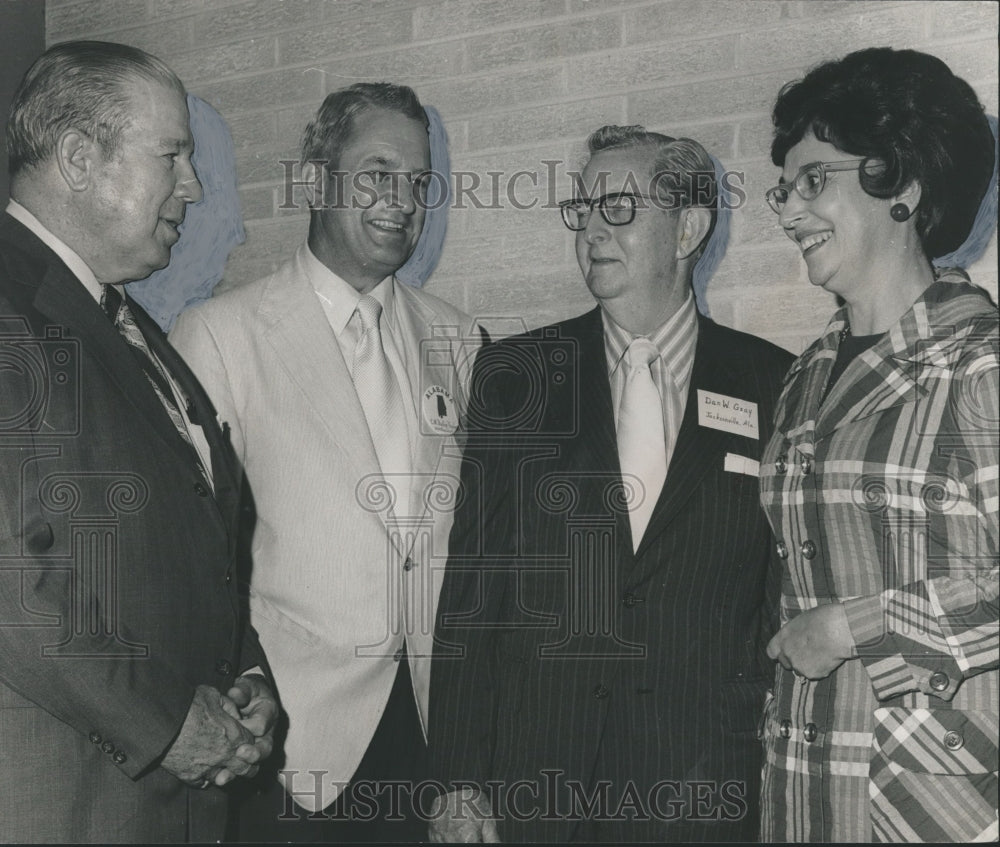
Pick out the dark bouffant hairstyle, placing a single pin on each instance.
(908, 110)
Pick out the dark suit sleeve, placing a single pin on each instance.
(102, 685)
(473, 598)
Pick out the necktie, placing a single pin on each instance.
(642, 450)
(379, 394)
(117, 309)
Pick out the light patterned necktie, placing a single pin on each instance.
(379, 393)
(117, 309)
(642, 450)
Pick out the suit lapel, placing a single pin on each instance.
(225, 472)
(428, 363)
(304, 342)
(596, 446)
(64, 299)
(698, 449)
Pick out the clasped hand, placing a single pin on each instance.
(224, 735)
(814, 643)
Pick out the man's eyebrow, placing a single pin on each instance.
(377, 161)
(179, 144)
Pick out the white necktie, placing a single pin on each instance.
(379, 394)
(642, 450)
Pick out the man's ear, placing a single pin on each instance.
(77, 156)
(313, 176)
(694, 226)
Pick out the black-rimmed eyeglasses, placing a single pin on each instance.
(809, 182)
(617, 209)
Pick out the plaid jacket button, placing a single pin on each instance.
(785, 728)
(810, 732)
(953, 740)
(782, 549)
(939, 681)
(808, 549)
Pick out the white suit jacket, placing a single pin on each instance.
(336, 585)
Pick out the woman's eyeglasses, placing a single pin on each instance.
(809, 182)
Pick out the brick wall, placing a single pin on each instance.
(522, 82)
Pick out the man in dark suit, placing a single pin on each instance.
(121, 640)
(600, 666)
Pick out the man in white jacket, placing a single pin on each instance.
(343, 390)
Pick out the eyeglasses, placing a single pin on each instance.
(809, 182)
(617, 209)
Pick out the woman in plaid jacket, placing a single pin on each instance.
(881, 480)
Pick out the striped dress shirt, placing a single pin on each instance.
(884, 496)
(676, 339)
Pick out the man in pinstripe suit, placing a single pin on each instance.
(600, 666)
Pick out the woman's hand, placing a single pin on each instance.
(815, 643)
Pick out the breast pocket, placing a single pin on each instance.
(934, 774)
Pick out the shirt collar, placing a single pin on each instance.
(675, 339)
(69, 256)
(338, 297)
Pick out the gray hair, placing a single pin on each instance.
(683, 172)
(78, 85)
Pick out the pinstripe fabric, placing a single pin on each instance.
(563, 659)
(885, 498)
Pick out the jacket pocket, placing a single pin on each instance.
(933, 775)
(937, 741)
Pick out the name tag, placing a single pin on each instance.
(741, 464)
(729, 414)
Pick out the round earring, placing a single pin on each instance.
(900, 212)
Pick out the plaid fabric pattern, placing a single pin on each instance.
(884, 496)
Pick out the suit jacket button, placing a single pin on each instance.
(808, 549)
(95, 738)
(119, 758)
(601, 691)
(223, 667)
(398, 655)
(200, 489)
(107, 747)
(782, 549)
(229, 575)
(408, 564)
(785, 728)
(810, 732)
(939, 681)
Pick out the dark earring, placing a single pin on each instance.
(900, 212)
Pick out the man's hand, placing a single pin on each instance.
(462, 817)
(815, 643)
(252, 704)
(209, 741)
